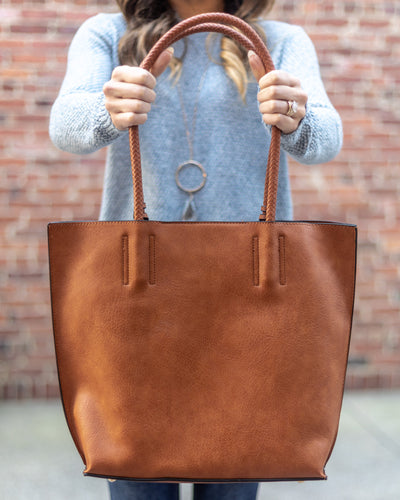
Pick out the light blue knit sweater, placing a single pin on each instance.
(230, 139)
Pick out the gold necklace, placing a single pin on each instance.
(189, 211)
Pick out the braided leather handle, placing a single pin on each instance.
(247, 37)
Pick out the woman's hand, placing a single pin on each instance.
(279, 91)
(129, 93)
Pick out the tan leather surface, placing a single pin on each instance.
(202, 350)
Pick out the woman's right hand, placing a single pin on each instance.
(129, 93)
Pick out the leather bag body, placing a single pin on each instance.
(203, 351)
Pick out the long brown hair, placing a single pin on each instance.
(148, 20)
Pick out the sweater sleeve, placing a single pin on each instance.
(79, 121)
(319, 137)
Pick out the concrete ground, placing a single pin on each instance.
(38, 459)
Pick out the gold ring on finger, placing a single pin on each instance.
(292, 108)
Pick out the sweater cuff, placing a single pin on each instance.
(290, 142)
(295, 143)
(105, 131)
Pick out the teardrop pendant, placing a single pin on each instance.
(189, 212)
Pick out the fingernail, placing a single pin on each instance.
(171, 50)
(251, 53)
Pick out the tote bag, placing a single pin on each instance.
(203, 351)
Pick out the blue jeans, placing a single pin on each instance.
(130, 490)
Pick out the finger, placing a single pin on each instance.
(274, 106)
(122, 90)
(256, 65)
(281, 107)
(162, 62)
(279, 77)
(128, 106)
(284, 123)
(123, 121)
(133, 74)
(282, 92)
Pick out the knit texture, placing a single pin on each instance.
(230, 138)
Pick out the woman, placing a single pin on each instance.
(203, 145)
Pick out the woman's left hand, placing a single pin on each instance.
(282, 100)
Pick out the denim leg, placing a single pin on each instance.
(132, 490)
(225, 491)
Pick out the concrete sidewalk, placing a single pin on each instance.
(38, 459)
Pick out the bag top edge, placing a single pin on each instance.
(285, 222)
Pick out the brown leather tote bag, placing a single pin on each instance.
(203, 351)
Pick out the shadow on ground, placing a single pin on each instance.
(38, 459)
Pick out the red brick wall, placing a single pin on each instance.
(358, 43)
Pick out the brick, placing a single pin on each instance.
(29, 59)
(350, 7)
(28, 28)
(393, 39)
(12, 44)
(331, 22)
(14, 73)
(39, 14)
(374, 24)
